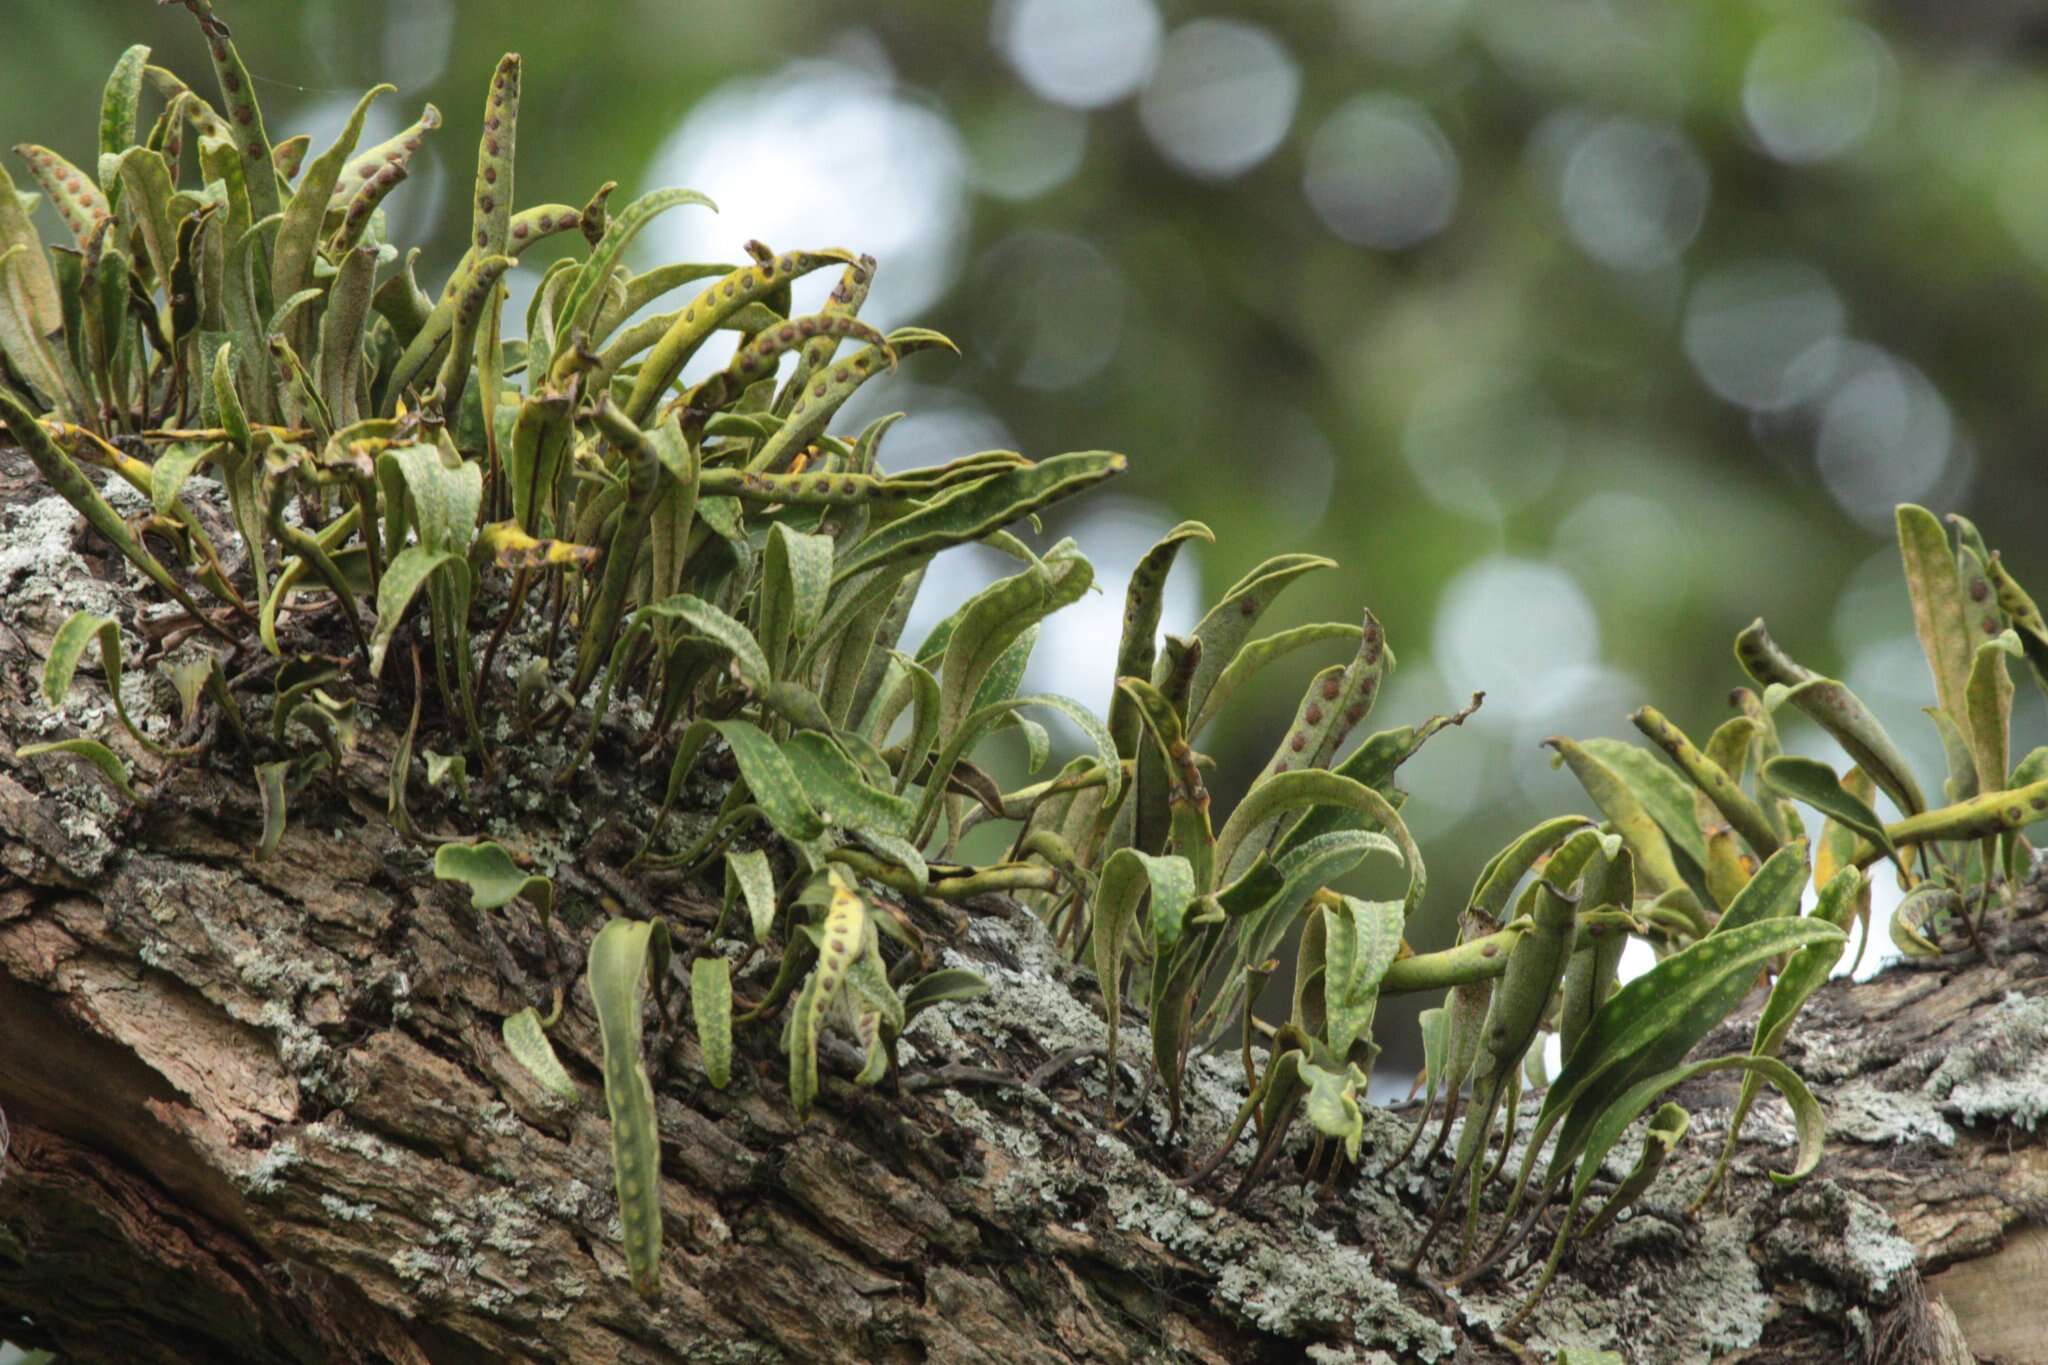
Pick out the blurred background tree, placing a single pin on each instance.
(1579, 333)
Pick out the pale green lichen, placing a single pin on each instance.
(1864, 1113)
(257, 969)
(565, 1291)
(414, 1266)
(38, 565)
(478, 1251)
(497, 1118)
(569, 1199)
(506, 1221)
(1835, 1233)
(1320, 1354)
(1715, 1305)
(345, 1211)
(337, 1132)
(2002, 1074)
(299, 1045)
(265, 1174)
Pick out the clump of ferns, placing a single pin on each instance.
(1708, 857)
(743, 572)
(712, 548)
(1700, 825)
(1185, 917)
(1712, 876)
(717, 554)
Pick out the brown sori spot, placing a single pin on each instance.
(220, 52)
(486, 203)
(839, 375)
(1355, 714)
(767, 271)
(1979, 589)
(1990, 626)
(569, 220)
(367, 171)
(1299, 742)
(787, 332)
(1330, 689)
(256, 151)
(860, 276)
(848, 486)
(1246, 607)
(391, 176)
(1280, 766)
(1489, 950)
(819, 391)
(547, 222)
(244, 114)
(412, 144)
(1314, 714)
(519, 230)
(728, 289)
(788, 264)
(2041, 803)
(483, 239)
(2015, 814)
(230, 81)
(491, 123)
(491, 146)
(490, 175)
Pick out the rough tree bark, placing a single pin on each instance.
(260, 1111)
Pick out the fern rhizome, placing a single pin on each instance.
(712, 574)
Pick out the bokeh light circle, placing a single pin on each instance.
(1748, 325)
(1080, 53)
(1222, 98)
(1048, 308)
(1633, 194)
(1814, 86)
(1382, 174)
